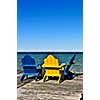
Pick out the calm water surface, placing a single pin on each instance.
(62, 56)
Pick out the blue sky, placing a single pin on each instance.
(49, 24)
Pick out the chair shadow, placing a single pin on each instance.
(26, 80)
(71, 75)
(55, 78)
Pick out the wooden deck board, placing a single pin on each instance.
(51, 90)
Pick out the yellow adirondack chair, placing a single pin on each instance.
(53, 68)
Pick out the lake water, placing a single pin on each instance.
(64, 57)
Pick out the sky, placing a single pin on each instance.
(49, 24)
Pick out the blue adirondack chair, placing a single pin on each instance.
(30, 68)
(68, 74)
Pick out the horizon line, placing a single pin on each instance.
(49, 50)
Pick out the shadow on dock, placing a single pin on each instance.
(21, 83)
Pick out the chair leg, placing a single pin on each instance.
(36, 77)
(62, 77)
(44, 78)
(22, 78)
(59, 80)
(26, 76)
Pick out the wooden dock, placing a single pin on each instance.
(50, 90)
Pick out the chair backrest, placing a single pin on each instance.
(50, 61)
(70, 63)
(27, 60)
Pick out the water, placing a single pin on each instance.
(62, 56)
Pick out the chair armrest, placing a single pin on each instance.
(63, 65)
(62, 69)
